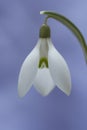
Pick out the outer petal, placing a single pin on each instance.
(59, 69)
(28, 71)
(43, 82)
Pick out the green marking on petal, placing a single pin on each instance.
(71, 26)
(43, 63)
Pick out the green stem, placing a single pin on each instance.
(71, 26)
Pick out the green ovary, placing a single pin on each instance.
(43, 63)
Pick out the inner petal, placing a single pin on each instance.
(44, 48)
(43, 62)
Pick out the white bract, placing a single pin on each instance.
(44, 68)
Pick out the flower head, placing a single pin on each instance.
(44, 68)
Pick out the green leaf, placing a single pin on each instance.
(71, 26)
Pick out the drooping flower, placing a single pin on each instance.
(44, 68)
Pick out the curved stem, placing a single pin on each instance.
(45, 21)
(71, 26)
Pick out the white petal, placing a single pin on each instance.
(43, 47)
(28, 71)
(59, 69)
(43, 82)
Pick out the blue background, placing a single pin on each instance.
(19, 27)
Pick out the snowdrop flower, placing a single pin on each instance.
(44, 68)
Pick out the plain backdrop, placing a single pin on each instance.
(19, 31)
